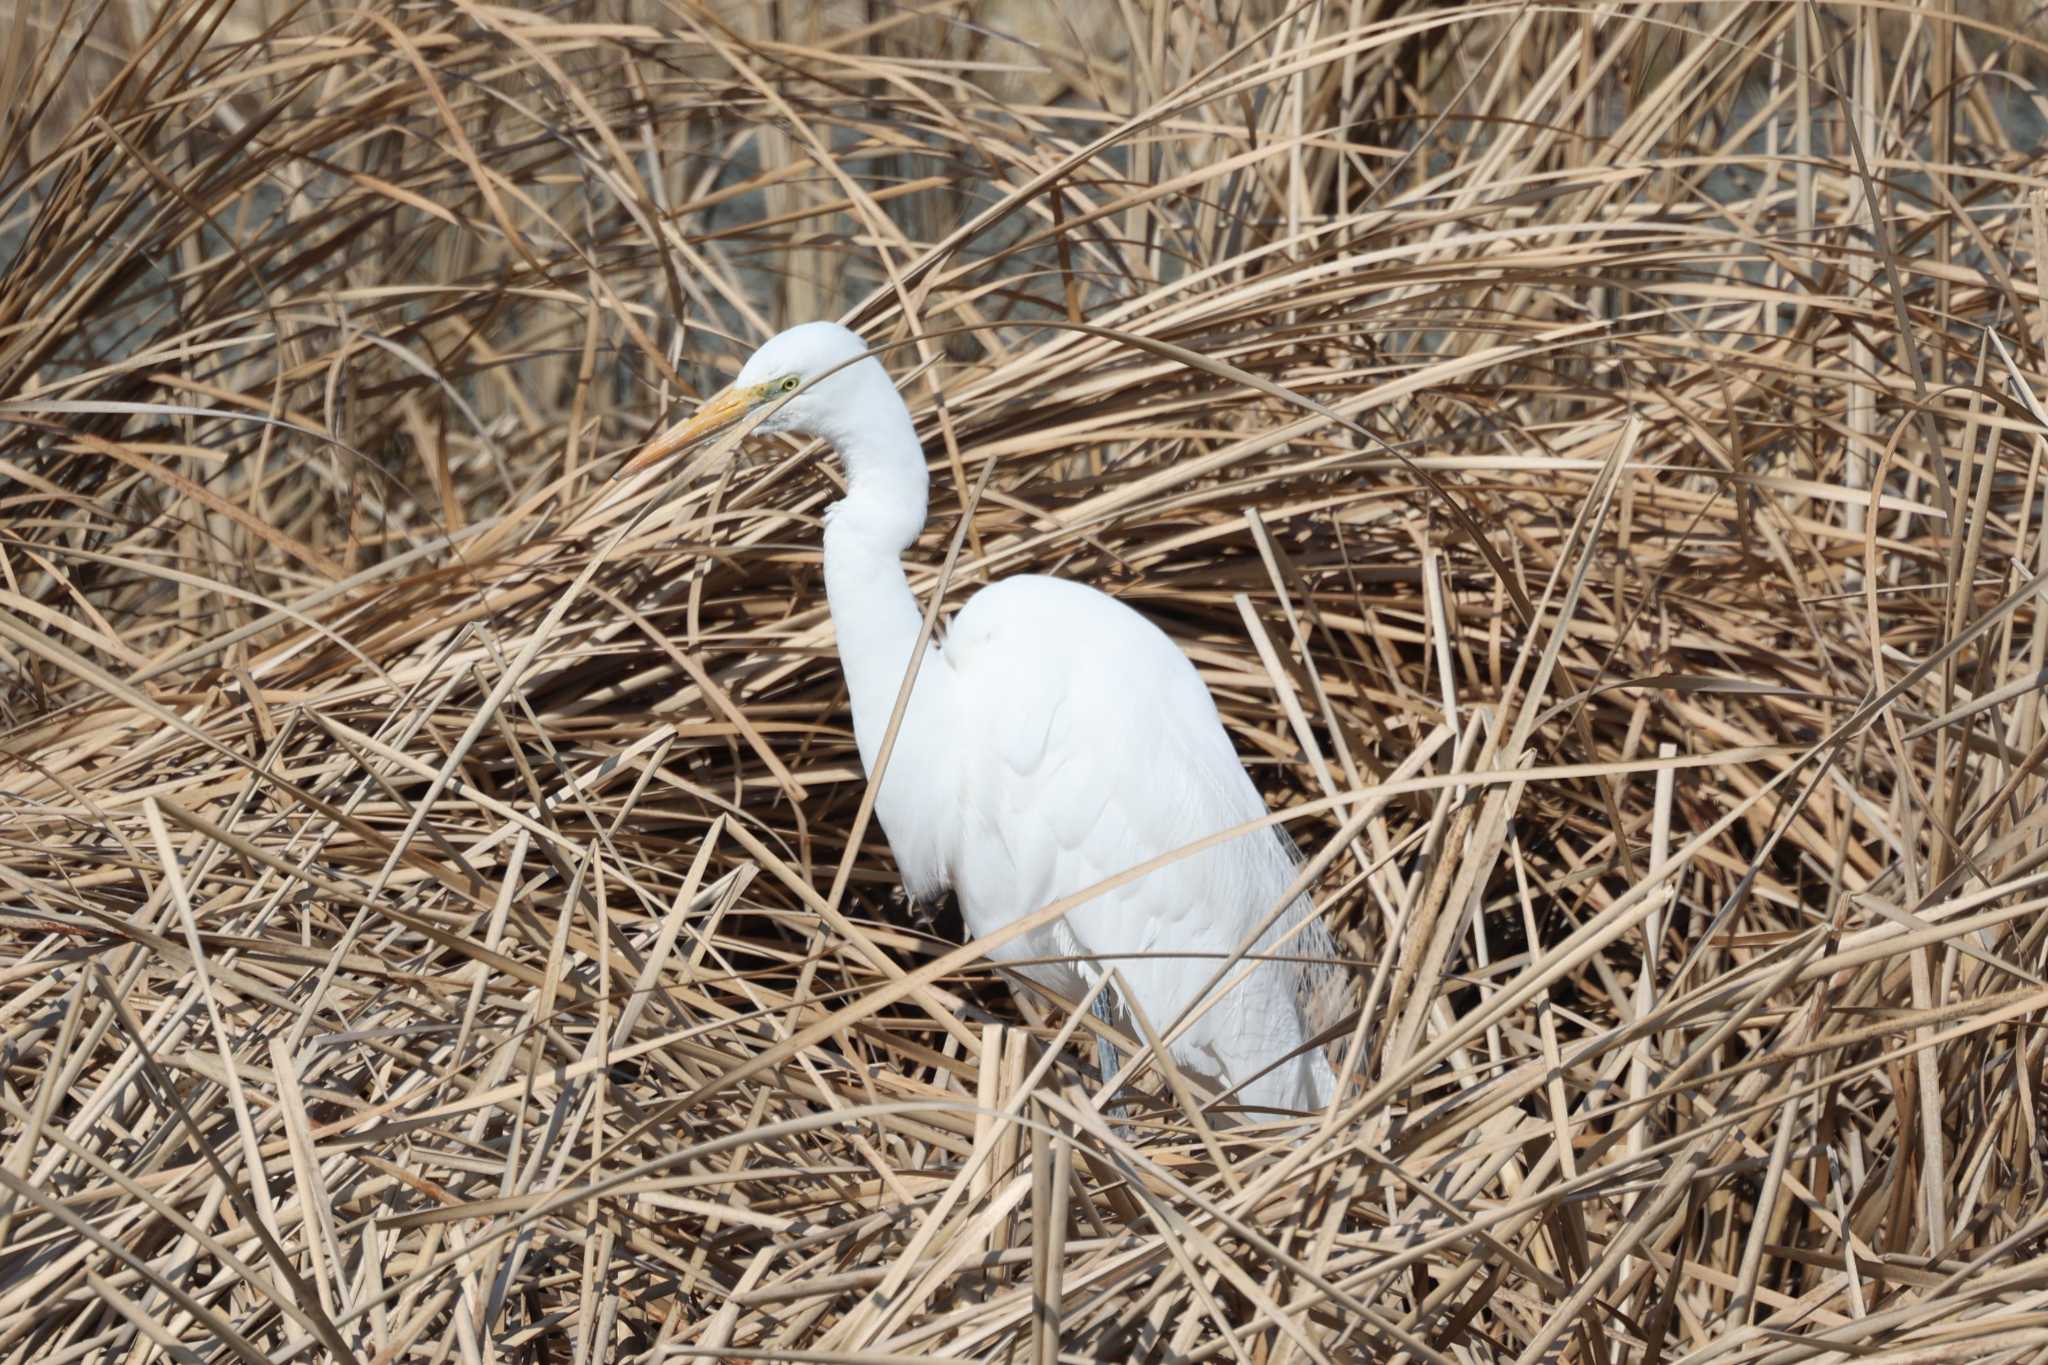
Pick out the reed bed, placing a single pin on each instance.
(1592, 453)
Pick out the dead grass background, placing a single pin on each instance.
(1592, 452)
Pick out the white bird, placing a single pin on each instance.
(1055, 738)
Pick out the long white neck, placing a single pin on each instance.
(876, 617)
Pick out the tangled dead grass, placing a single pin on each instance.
(1592, 456)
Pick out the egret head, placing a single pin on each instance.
(811, 376)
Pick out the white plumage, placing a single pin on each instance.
(1053, 739)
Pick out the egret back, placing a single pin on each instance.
(1083, 744)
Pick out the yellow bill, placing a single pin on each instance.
(719, 412)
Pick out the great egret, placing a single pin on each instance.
(1054, 739)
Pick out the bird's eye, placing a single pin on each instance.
(789, 384)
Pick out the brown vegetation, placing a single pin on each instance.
(1592, 452)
